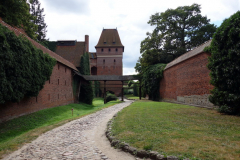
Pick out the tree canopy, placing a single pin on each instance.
(16, 13)
(224, 64)
(176, 32)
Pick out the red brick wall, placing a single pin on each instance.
(57, 91)
(190, 77)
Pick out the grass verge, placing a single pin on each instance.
(179, 130)
(16, 132)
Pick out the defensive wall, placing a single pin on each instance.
(186, 79)
(57, 91)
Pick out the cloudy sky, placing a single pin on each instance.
(72, 19)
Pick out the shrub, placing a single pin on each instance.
(111, 97)
(224, 65)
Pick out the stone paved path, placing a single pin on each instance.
(81, 139)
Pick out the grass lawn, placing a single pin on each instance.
(130, 96)
(16, 132)
(179, 130)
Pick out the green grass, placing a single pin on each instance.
(179, 130)
(16, 132)
(130, 96)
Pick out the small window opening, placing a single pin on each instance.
(58, 67)
(65, 82)
(104, 61)
(114, 60)
(105, 42)
(65, 69)
(116, 49)
(49, 81)
(109, 49)
(102, 49)
(58, 81)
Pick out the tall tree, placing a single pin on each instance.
(37, 12)
(16, 13)
(86, 90)
(177, 31)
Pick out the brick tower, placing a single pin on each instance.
(109, 52)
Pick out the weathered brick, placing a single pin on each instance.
(189, 77)
(57, 91)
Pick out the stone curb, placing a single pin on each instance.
(127, 148)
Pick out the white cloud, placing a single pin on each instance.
(129, 71)
(73, 19)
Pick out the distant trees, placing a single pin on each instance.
(224, 64)
(177, 31)
(37, 12)
(28, 16)
(16, 13)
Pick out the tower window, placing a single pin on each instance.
(102, 49)
(116, 49)
(114, 60)
(104, 61)
(109, 49)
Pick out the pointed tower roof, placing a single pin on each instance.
(109, 38)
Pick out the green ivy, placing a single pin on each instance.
(24, 69)
(151, 77)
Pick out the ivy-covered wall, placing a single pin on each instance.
(30, 79)
(23, 68)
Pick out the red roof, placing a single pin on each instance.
(18, 32)
(109, 38)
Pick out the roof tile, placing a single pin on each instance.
(109, 38)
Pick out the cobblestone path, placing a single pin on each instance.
(75, 140)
